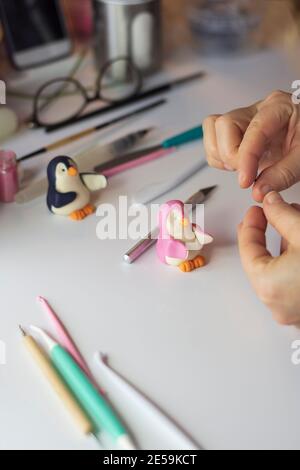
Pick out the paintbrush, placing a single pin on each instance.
(72, 138)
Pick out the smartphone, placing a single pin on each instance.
(35, 32)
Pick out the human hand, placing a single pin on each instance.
(262, 142)
(275, 280)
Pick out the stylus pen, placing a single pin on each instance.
(163, 88)
(83, 421)
(92, 402)
(91, 130)
(145, 243)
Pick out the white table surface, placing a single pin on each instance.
(200, 345)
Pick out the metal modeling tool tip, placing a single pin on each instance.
(207, 191)
(97, 439)
(147, 131)
(22, 330)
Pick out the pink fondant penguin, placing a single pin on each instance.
(180, 242)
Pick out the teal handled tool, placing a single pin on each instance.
(91, 401)
(189, 136)
(151, 153)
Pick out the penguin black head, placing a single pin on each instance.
(60, 167)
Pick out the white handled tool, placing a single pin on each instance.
(156, 190)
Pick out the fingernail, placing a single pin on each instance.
(228, 167)
(273, 198)
(242, 178)
(264, 190)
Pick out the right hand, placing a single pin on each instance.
(261, 142)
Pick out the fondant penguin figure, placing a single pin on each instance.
(69, 191)
(180, 242)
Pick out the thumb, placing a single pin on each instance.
(283, 217)
(280, 176)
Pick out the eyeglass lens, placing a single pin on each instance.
(119, 81)
(59, 101)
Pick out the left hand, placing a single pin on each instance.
(275, 280)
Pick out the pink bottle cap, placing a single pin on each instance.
(9, 184)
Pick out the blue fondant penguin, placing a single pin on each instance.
(69, 191)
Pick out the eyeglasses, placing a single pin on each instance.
(62, 100)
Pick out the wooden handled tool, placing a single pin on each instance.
(40, 357)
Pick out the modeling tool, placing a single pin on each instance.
(66, 340)
(132, 160)
(143, 406)
(148, 154)
(154, 191)
(83, 421)
(92, 402)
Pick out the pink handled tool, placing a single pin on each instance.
(137, 162)
(66, 340)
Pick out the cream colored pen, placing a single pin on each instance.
(83, 421)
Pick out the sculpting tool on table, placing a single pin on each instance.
(143, 406)
(86, 159)
(91, 130)
(145, 243)
(149, 154)
(156, 190)
(66, 340)
(91, 401)
(150, 93)
(132, 160)
(83, 421)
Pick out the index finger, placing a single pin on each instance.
(252, 241)
(271, 118)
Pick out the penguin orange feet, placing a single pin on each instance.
(82, 213)
(199, 262)
(89, 210)
(187, 266)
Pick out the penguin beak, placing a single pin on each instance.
(72, 171)
(185, 222)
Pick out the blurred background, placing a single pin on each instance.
(148, 33)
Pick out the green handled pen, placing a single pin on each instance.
(91, 401)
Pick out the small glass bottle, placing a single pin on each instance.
(9, 180)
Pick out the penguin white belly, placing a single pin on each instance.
(174, 261)
(81, 201)
(193, 250)
(177, 262)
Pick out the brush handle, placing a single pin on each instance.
(83, 422)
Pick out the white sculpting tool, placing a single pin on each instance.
(156, 190)
(143, 406)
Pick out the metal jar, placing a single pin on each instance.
(128, 28)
